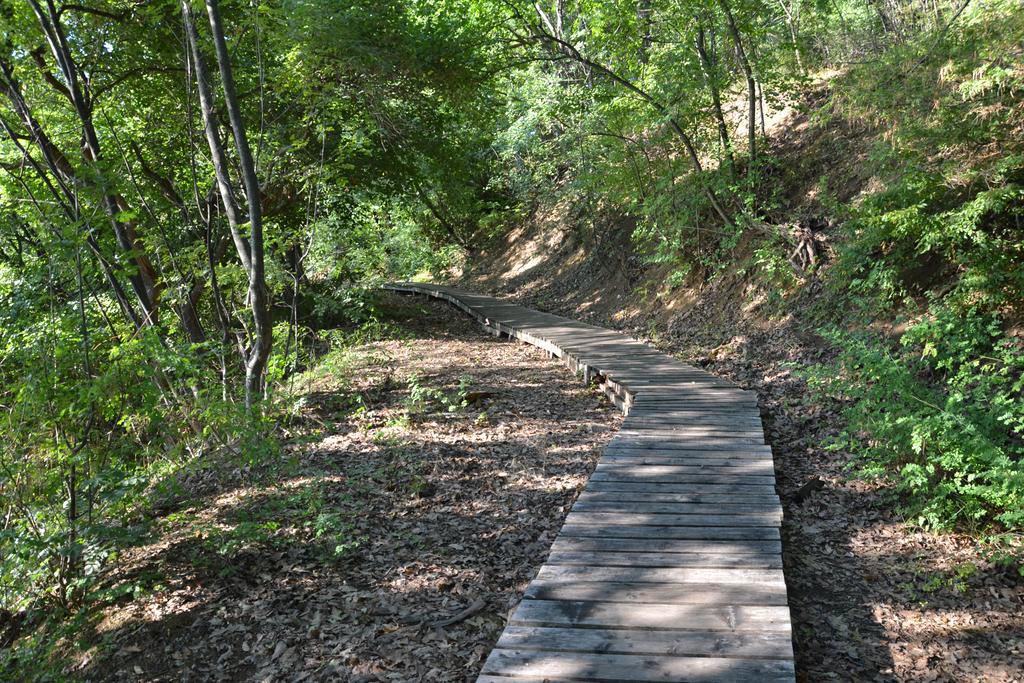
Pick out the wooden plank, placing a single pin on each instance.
(721, 412)
(665, 444)
(505, 678)
(664, 487)
(615, 667)
(754, 533)
(554, 572)
(737, 465)
(706, 420)
(688, 436)
(631, 504)
(652, 615)
(681, 399)
(667, 473)
(633, 559)
(737, 436)
(627, 641)
(636, 593)
(659, 519)
(724, 427)
(732, 500)
(761, 470)
(682, 450)
(663, 474)
(642, 411)
(662, 398)
(655, 391)
(641, 414)
(661, 545)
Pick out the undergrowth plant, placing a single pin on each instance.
(936, 405)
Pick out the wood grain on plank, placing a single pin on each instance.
(615, 667)
(665, 545)
(605, 558)
(661, 574)
(630, 641)
(639, 592)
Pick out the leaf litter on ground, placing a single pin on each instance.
(392, 548)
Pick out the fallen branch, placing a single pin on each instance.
(477, 606)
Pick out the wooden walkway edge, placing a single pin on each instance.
(669, 565)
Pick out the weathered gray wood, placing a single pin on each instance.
(704, 417)
(631, 504)
(668, 566)
(736, 465)
(634, 593)
(730, 500)
(613, 667)
(661, 575)
(653, 615)
(716, 431)
(629, 641)
(671, 444)
(664, 487)
(662, 447)
(661, 545)
(762, 533)
(606, 558)
(670, 474)
(761, 475)
(664, 519)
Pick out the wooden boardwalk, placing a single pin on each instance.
(669, 565)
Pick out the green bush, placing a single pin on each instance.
(944, 425)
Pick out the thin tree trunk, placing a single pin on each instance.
(643, 18)
(62, 193)
(748, 72)
(218, 157)
(435, 211)
(791, 20)
(251, 252)
(570, 51)
(258, 295)
(144, 280)
(711, 80)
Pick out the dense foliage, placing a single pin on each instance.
(187, 198)
(127, 254)
(931, 247)
(941, 405)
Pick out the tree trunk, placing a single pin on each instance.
(643, 19)
(144, 280)
(791, 23)
(570, 51)
(711, 80)
(61, 185)
(748, 72)
(259, 354)
(250, 251)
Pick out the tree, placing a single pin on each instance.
(250, 250)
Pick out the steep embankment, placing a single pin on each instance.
(872, 597)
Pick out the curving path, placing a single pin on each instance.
(669, 565)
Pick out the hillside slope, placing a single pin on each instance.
(873, 596)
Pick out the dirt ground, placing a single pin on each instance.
(392, 545)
